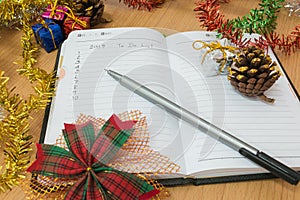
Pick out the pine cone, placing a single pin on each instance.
(90, 8)
(253, 72)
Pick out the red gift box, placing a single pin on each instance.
(76, 23)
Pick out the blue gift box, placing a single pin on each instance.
(48, 34)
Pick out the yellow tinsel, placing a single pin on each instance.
(14, 124)
(12, 11)
(14, 131)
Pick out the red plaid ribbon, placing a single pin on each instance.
(87, 159)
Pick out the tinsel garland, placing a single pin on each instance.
(261, 20)
(14, 131)
(12, 11)
(258, 21)
(142, 4)
(14, 128)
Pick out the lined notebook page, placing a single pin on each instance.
(86, 87)
(271, 128)
(174, 70)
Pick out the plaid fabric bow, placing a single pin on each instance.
(86, 161)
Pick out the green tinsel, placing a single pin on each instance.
(260, 20)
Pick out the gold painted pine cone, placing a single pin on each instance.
(90, 8)
(253, 72)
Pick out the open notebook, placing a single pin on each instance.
(171, 67)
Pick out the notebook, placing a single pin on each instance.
(171, 66)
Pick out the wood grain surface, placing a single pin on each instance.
(174, 15)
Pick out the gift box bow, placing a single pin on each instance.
(55, 11)
(77, 23)
(72, 19)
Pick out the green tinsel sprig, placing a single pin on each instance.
(259, 20)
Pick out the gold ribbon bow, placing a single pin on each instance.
(76, 19)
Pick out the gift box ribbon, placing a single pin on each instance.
(54, 9)
(45, 25)
(76, 19)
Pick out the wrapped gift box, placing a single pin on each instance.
(56, 13)
(76, 23)
(48, 34)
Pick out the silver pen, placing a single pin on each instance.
(262, 159)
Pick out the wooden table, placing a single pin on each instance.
(176, 15)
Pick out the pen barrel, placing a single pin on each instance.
(260, 158)
(183, 114)
(275, 167)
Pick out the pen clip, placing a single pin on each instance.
(275, 167)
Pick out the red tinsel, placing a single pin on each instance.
(142, 4)
(210, 17)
